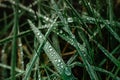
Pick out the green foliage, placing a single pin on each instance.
(59, 40)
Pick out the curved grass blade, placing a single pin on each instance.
(116, 36)
(32, 62)
(113, 52)
(96, 69)
(82, 52)
(110, 56)
(90, 70)
(52, 54)
(86, 19)
(14, 43)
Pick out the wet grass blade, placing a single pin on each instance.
(82, 53)
(110, 56)
(36, 54)
(96, 69)
(14, 43)
(52, 54)
(110, 29)
(88, 67)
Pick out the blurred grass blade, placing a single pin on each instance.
(110, 56)
(14, 43)
(113, 52)
(96, 69)
(109, 28)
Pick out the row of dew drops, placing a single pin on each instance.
(55, 57)
(70, 40)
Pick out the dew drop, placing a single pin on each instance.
(73, 37)
(21, 53)
(38, 33)
(54, 53)
(82, 49)
(22, 62)
(71, 43)
(55, 25)
(20, 45)
(19, 11)
(55, 60)
(40, 36)
(35, 17)
(30, 10)
(58, 65)
(59, 60)
(47, 19)
(51, 54)
(13, 2)
(63, 34)
(51, 49)
(88, 3)
(58, 33)
(61, 31)
(67, 71)
(84, 54)
(87, 18)
(3, 51)
(70, 20)
(61, 66)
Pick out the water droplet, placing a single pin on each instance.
(59, 60)
(67, 71)
(84, 54)
(38, 33)
(35, 17)
(40, 36)
(54, 53)
(50, 49)
(73, 36)
(61, 66)
(30, 10)
(58, 33)
(59, 12)
(58, 65)
(21, 53)
(19, 11)
(87, 18)
(13, 2)
(88, 3)
(61, 31)
(82, 49)
(20, 45)
(63, 34)
(3, 51)
(55, 60)
(72, 44)
(22, 62)
(47, 19)
(70, 20)
(80, 2)
(55, 25)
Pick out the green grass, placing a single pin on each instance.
(59, 40)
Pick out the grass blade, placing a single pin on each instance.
(52, 54)
(14, 49)
(110, 56)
